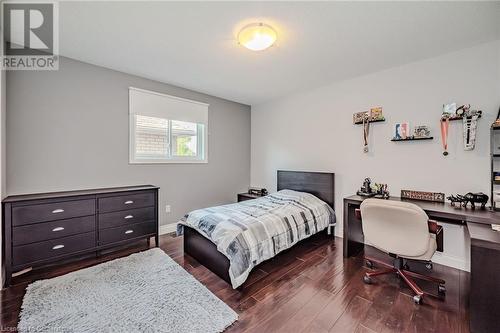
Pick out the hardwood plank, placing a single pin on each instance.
(349, 320)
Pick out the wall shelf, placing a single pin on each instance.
(460, 117)
(413, 139)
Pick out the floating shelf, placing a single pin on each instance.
(461, 117)
(370, 121)
(413, 139)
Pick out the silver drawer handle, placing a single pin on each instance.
(128, 202)
(57, 247)
(129, 217)
(129, 231)
(56, 211)
(58, 229)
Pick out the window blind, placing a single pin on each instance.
(153, 104)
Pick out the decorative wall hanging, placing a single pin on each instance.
(365, 118)
(424, 196)
(469, 119)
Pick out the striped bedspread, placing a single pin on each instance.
(252, 231)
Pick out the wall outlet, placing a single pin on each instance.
(167, 209)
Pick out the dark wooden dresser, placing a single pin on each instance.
(42, 229)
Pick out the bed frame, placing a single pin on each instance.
(320, 184)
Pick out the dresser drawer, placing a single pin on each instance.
(51, 230)
(52, 211)
(112, 204)
(125, 217)
(112, 235)
(26, 254)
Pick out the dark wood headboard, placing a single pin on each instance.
(320, 184)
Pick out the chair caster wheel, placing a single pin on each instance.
(428, 265)
(367, 279)
(441, 289)
(417, 299)
(369, 264)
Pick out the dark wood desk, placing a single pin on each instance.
(484, 295)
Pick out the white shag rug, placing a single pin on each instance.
(144, 292)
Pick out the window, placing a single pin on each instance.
(166, 129)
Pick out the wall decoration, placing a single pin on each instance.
(421, 131)
(469, 119)
(365, 118)
(374, 115)
(473, 198)
(449, 110)
(402, 131)
(424, 196)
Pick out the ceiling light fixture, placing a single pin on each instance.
(257, 36)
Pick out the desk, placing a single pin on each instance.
(484, 299)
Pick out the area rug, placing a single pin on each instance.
(144, 292)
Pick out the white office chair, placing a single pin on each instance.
(403, 231)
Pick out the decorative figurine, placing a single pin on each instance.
(369, 190)
(366, 189)
(473, 198)
(382, 191)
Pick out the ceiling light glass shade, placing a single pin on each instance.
(257, 36)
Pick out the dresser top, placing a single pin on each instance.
(50, 195)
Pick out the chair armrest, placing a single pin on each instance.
(436, 229)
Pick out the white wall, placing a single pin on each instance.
(313, 131)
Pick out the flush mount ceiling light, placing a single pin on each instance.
(257, 36)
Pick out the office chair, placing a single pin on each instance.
(404, 231)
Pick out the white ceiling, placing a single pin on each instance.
(193, 45)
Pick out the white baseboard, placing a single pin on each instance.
(168, 228)
(451, 261)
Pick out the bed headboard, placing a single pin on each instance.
(320, 184)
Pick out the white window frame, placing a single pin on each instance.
(176, 159)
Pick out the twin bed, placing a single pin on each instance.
(231, 240)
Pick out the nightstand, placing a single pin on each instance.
(247, 196)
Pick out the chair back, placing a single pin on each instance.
(395, 227)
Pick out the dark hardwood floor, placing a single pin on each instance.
(309, 288)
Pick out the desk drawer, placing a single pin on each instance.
(125, 217)
(26, 254)
(52, 211)
(112, 235)
(124, 202)
(51, 230)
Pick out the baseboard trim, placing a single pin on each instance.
(451, 261)
(168, 228)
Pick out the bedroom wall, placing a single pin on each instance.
(313, 131)
(68, 129)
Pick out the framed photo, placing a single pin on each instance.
(450, 109)
(376, 113)
(402, 131)
(421, 131)
(359, 116)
